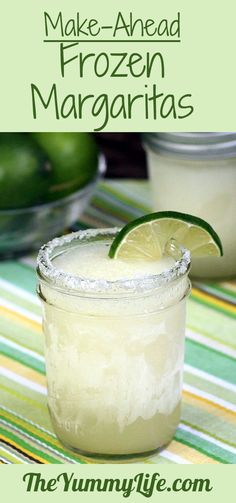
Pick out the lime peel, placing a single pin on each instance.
(148, 236)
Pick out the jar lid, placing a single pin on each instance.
(193, 145)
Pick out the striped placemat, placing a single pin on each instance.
(207, 432)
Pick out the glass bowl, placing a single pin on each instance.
(26, 229)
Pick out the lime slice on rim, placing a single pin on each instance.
(148, 236)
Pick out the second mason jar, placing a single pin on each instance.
(196, 173)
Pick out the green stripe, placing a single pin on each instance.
(10, 455)
(21, 357)
(28, 408)
(216, 437)
(25, 445)
(211, 450)
(44, 449)
(58, 450)
(28, 430)
(18, 274)
(22, 345)
(207, 420)
(210, 360)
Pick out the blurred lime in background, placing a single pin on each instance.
(73, 160)
(23, 173)
(36, 168)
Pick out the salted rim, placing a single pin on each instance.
(64, 281)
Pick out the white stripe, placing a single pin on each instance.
(218, 346)
(175, 458)
(25, 382)
(209, 377)
(19, 292)
(22, 349)
(204, 436)
(210, 397)
(20, 310)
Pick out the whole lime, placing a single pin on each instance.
(24, 175)
(73, 161)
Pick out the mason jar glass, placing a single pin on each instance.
(114, 353)
(196, 173)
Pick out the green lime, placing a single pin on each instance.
(147, 237)
(23, 171)
(73, 161)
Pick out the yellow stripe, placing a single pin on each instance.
(10, 457)
(189, 454)
(22, 370)
(14, 444)
(216, 302)
(18, 317)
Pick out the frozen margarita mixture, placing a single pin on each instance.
(92, 262)
(114, 365)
